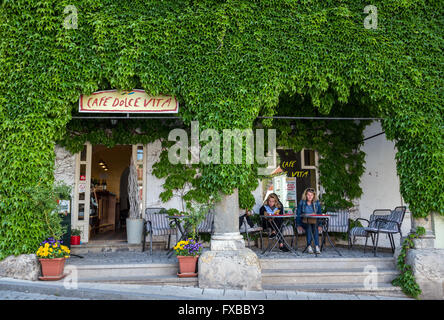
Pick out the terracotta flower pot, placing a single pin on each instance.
(52, 267)
(75, 240)
(187, 264)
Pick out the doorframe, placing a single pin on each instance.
(83, 225)
(143, 163)
(315, 167)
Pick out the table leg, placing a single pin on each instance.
(329, 240)
(274, 227)
(279, 235)
(267, 249)
(170, 250)
(324, 230)
(182, 236)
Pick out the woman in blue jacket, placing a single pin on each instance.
(309, 204)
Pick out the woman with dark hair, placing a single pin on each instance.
(309, 204)
(272, 205)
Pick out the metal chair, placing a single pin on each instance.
(247, 229)
(156, 223)
(361, 231)
(389, 225)
(290, 231)
(207, 225)
(338, 222)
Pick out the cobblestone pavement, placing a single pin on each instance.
(17, 295)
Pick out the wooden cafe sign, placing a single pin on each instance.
(127, 102)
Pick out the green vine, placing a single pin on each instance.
(227, 62)
(406, 280)
(78, 132)
(341, 163)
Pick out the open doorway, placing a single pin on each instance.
(109, 192)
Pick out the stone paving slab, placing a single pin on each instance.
(275, 295)
(17, 295)
(255, 295)
(103, 291)
(293, 295)
(208, 292)
(236, 294)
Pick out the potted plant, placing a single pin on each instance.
(52, 255)
(134, 222)
(187, 252)
(195, 215)
(75, 237)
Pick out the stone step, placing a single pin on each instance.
(382, 289)
(116, 271)
(172, 280)
(324, 276)
(328, 263)
(113, 246)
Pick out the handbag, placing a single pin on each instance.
(309, 220)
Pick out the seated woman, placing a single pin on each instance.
(309, 204)
(272, 205)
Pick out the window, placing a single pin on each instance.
(308, 159)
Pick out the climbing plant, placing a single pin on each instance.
(406, 280)
(227, 62)
(185, 180)
(341, 163)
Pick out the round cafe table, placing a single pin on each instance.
(323, 218)
(279, 236)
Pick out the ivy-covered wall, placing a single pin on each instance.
(227, 62)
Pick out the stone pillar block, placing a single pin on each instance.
(24, 267)
(426, 241)
(229, 264)
(427, 262)
(230, 269)
(428, 269)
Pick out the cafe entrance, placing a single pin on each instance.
(101, 198)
